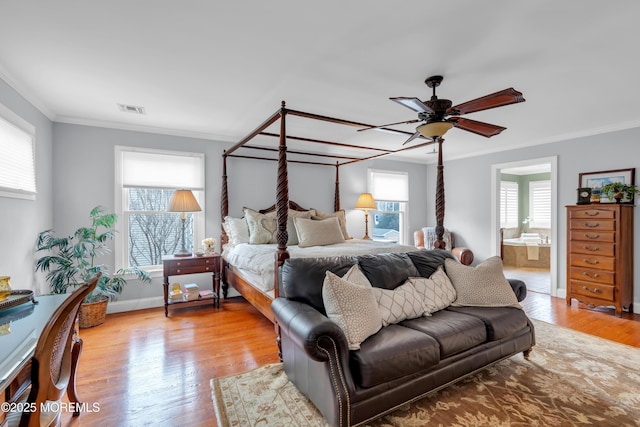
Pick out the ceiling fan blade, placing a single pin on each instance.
(412, 137)
(414, 103)
(498, 99)
(390, 124)
(474, 126)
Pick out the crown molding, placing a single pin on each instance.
(26, 93)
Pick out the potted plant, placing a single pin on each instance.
(70, 261)
(617, 191)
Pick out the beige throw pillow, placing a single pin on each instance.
(401, 303)
(481, 286)
(318, 233)
(237, 230)
(262, 228)
(342, 218)
(437, 292)
(352, 307)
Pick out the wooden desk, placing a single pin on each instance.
(21, 329)
(178, 266)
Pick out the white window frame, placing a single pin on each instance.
(383, 195)
(539, 189)
(121, 202)
(507, 191)
(21, 184)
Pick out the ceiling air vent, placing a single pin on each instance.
(131, 109)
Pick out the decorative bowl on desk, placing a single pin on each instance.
(5, 287)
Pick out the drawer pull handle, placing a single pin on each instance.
(592, 225)
(178, 263)
(594, 249)
(591, 236)
(594, 291)
(178, 271)
(591, 213)
(594, 262)
(593, 276)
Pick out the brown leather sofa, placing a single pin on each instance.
(464, 255)
(401, 362)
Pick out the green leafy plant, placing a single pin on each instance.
(626, 190)
(72, 260)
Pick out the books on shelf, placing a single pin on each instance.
(176, 293)
(192, 291)
(206, 294)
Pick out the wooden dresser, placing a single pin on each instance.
(600, 255)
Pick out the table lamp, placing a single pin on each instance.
(366, 202)
(183, 201)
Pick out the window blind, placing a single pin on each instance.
(161, 170)
(508, 204)
(540, 203)
(389, 186)
(17, 162)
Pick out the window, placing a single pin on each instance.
(390, 190)
(540, 204)
(508, 204)
(145, 182)
(17, 162)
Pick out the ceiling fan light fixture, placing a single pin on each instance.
(434, 129)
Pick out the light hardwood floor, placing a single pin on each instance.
(141, 368)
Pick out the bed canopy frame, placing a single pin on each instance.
(283, 203)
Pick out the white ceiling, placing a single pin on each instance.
(217, 69)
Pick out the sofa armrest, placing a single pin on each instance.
(519, 288)
(309, 329)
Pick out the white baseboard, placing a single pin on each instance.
(135, 304)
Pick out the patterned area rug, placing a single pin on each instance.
(571, 379)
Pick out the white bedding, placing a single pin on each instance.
(260, 259)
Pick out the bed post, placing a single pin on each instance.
(224, 202)
(336, 194)
(439, 243)
(282, 198)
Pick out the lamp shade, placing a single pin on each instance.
(434, 129)
(183, 201)
(365, 201)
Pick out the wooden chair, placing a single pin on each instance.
(52, 365)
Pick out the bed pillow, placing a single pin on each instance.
(403, 302)
(262, 228)
(318, 232)
(237, 230)
(352, 307)
(437, 292)
(291, 226)
(481, 286)
(342, 218)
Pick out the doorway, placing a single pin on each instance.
(524, 221)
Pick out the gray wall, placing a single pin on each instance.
(83, 161)
(468, 187)
(22, 220)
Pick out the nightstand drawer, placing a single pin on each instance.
(593, 224)
(591, 275)
(189, 269)
(602, 292)
(593, 236)
(595, 248)
(590, 261)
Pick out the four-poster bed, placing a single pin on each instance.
(242, 282)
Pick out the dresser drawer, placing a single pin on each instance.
(592, 213)
(188, 266)
(592, 275)
(593, 290)
(592, 248)
(593, 235)
(591, 261)
(593, 224)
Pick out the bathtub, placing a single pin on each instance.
(528, 250)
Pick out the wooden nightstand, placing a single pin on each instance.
(177, 266)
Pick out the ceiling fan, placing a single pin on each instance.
(439, 115)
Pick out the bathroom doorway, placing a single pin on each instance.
(524, 221)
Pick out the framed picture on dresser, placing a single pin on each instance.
(596, 180)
